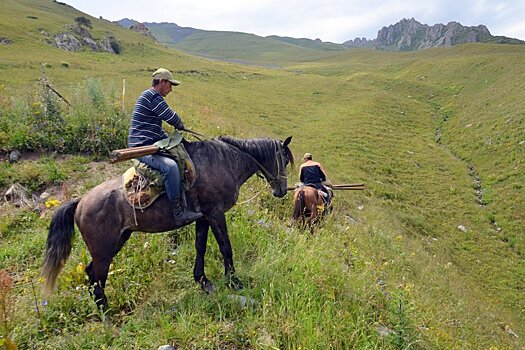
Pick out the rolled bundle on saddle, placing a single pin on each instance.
(143, 185)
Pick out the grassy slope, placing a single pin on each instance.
(425, 88)
(246, 47)
(374, 118)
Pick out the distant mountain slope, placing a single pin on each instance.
(171, 34)
(317, 44)
(248, 47)
(237, 46)
(166, 33)
(409, 35)
(406, 35)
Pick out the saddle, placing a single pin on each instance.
(323, 189)
(143, 184)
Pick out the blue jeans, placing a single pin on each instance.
(170, 172)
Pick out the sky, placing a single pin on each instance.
(329, 20)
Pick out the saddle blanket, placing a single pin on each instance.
(143, 185)
(141, 191)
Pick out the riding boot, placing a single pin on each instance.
(182, 214)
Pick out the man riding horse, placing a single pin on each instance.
(313, 174)
(146, 129)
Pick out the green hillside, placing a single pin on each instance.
(429, 256)
(239, 47)
(309, 43)
(166, 33)
(242, 47)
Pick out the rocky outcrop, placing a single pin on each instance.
(360, 42)
(142, 29)
(5, 41)
(78, 38)
(409, 34)
(68, 42)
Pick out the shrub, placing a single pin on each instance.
(83, 21)
(95, 124)
(115, 45)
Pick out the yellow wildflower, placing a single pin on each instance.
(80, 268)
(52, 202)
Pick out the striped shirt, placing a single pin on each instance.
(146, 122)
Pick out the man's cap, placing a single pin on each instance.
(165, 74)
(307, 156)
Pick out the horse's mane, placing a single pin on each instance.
(260, 148)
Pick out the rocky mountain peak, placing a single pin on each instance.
(409, 34)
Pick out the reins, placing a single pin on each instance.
(196, 134)
(252, 198)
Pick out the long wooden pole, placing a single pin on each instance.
(348, 185)
(130, 153)
(338, 188)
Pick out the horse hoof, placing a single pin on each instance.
(207, 286)
(235, 283)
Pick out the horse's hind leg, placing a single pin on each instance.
(220, 231)
(97, 270)
(314, 217)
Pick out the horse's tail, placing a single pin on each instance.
(59, 243)
(299, 205)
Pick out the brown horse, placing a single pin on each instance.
(309, 206)
(106, 219)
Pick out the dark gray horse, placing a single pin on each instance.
(106, 219)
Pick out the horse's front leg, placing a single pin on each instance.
(201, 239)
(220, 231)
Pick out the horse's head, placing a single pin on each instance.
(278, 178)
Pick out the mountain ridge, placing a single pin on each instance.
(405, 35)
(410, 35)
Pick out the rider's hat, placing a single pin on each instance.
(165, 74)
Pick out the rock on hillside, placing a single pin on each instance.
(409, 34)
(360, 42)
(5, 41)
(142, 29)
(77, 37)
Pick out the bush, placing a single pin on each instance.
(95, 124)
(115, 45)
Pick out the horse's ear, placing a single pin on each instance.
(287, 141)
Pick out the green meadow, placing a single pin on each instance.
(429, 256)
